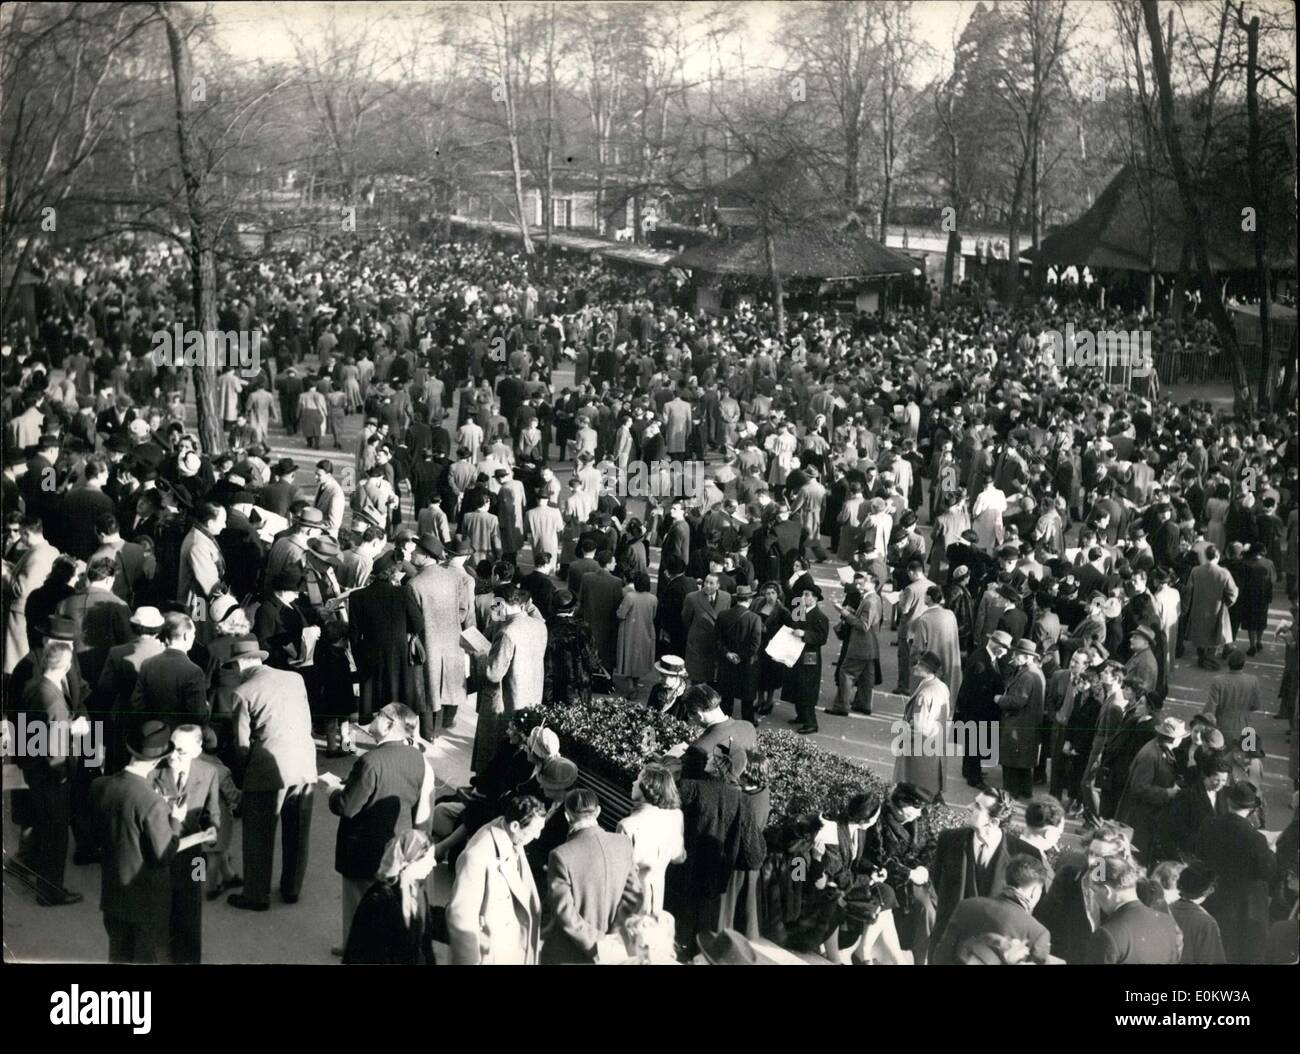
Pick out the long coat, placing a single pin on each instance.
(440, 603)
(591, 882)
(494, 916)
(936, 630)
(981, 681)
(1212, 592)
(514, 676)
(1022, 719)
(378, 623)
(510, 514)
(739, 630)
(802, 683)
(273, 730)
(1239, 855)
(926, 715)
(699, 617)
(29, 575)
(1147, 795)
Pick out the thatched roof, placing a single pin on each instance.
(1115, 231)
(814, 251)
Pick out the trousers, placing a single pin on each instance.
(132, 942)
(263, 810)
(185, 941)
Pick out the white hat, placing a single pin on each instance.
(147, 617)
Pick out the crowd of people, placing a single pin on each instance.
(1046, 549)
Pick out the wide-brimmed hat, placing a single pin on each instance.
(1171, 728)
(730, 948)
(743, 592)
(671, 666)
(285, 466)
(149, 740)
(1001, 638)
(461, 547)
(558, 774)
(1146, 633)
(246, 649)
(1024, 646)
(805, 583)
(324, 546)
(1195, 880)
(310, 516)
(148, 618)
(563, 601)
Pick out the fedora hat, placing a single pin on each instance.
(149, 740)
(150, 618)
(1025, 646)
(324, 546)
(558, 774)
(57, 627)
(1001, 638)
(246, 649)
(1171, 728)
(1243, 795)
(743, 592)
(931, 662)
(563, 601)
(431, 544)
(310, 516)
(461, 547)
(671, 666)
(1146, 633)
(285, 466)
(729, 948)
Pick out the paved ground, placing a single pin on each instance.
(305, 932)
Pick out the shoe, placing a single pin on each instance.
(60, 899)
(835, 713)
(89, 856)
(795, 721)
(807, 730)
(238, 900)
(1252, 650)
(289, 898)
(862, 713)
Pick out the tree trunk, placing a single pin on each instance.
(950, 258)
(203, 270)
(1259, 197)
(774, 276)
(1192, 211)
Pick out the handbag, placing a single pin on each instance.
(415, 651)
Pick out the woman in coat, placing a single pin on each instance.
(801, 683)
(336, 408)
(655, 827)
(394, 919)
(925, 720)
(1256, 583)
(636, 631)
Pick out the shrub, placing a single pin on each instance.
(613, 738)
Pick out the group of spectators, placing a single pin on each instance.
(1045, 547)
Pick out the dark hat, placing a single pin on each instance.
(324, 546)
(558, 774)
(117, 443)
(970, 536)
(908, 518)
(1068, 586)
(1195, 880)
(730, 948)
(1008, 592)
(563, 601)
(246, 649)
(461, 547)
(1243, 795)
(501, 473)
(431, 544)
(1024, 646)
(57, 627)
(930, 661)
(283, 580)
(805, 582)
(1008, 552)
(285, 466)
(149, 740)
(743, 592)
(386, 563)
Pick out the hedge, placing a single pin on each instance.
(614, 738)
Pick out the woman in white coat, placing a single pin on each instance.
(656, 829)
(986, 516)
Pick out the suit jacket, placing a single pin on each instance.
(1003, 914)
(139, 840)
(1202, 944)
(171, 687)
(273, 730)
(1135, 935)
(493, 917)
(953, 873)
(202, 795)
(591, 883)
